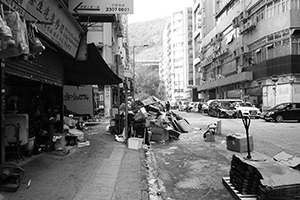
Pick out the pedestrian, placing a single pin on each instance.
(180, 106)
(200, 107)
(167, 106)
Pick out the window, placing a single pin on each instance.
(286, 47)
(270, 51)
(278, 48)
(295, 46)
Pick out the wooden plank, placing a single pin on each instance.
(235, 193)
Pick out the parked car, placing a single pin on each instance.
(246, 109)
(223, 108)
(173, 105)
(193, 106)
(205, 106)
(284, 111)
(183, 105)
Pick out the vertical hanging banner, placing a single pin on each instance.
(95, 7)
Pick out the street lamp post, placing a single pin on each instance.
(133, 71)
(178, 82)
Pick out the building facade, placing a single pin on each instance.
(176, 65)
(33, 79)
(251, 53)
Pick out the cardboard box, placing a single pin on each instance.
(238, 142)
(135, 143)
(159, 134)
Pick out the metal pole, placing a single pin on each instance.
(179, 87)
(126, 110)
(133, 75)
(2, 106)
(118, 96)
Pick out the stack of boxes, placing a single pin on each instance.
(238, 142)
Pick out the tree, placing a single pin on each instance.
(146, 81)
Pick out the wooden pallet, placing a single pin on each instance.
(236, 194)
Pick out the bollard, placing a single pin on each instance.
(219, 127)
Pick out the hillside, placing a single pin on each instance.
(146, 33)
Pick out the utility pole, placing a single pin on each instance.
(126, 109)
(2, 107)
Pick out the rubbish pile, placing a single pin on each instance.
(72, 134)
(148, 119)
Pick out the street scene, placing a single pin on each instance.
(149, 100)
(190, 168)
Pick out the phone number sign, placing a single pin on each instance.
(101, 7)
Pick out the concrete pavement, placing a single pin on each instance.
(106, 170)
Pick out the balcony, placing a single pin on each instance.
(236, 78)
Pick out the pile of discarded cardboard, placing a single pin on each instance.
(268, 179)
(161, 125)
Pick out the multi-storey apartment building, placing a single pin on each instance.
(176, 65)
(251, 52)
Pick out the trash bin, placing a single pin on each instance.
(30, 145)
(114, 124)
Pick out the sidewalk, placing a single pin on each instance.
(105, 170)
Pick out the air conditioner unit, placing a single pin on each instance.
(235, 22)
(218, 36)
(239, 69)
(241, 16)
(235, 53)
(249, 24)
(244, 49)
(213, 40)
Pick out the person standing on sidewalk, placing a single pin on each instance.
(168, 106)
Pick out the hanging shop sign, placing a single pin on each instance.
(101, 7)
(62, 29)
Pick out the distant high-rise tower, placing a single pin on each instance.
(176, 66)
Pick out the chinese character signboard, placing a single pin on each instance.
(63, 30)
(101, 6)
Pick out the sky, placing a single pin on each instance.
(145, 10)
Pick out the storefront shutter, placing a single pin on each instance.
(46, 68)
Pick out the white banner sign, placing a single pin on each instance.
(101, 6)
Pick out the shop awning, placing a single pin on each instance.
(93, 71)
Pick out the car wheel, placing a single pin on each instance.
(279, 118)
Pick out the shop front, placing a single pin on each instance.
(32, 74)
(32, 103)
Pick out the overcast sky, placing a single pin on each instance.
(145, 10)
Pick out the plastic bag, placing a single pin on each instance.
(35, 45)
(19, 35)
(5, 32)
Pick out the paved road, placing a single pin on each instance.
(269, 138)
(191, 168)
